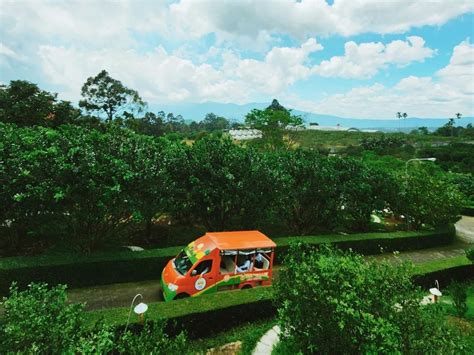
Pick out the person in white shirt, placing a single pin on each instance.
(246, 266)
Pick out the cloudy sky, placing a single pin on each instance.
(352, 58)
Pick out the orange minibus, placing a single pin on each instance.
(219, 261)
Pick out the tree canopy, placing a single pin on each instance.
(108, 97)
(24, 104)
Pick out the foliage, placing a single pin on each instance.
(362, 190)
(455, 157)
(308, 190)
(465, 184)
(470, 254)
(458, 292)
(272, 121)
(382, 144)
(333, 302)
(40, 320)
(213, 122)
(427, 199)
(24, 104)
(106, 96)
(89, 184)
(219, 184)
(152, 340)
(98, 268)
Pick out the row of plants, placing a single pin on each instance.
(91, 188)
(79, 270)
(325, 301)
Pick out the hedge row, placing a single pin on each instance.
(217, 312)
(127, 266)
(468, 211)
(226, 310)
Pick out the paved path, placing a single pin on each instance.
(120, 295)
(267, 342)
(424, 255)
(465, 229)
(116, 295)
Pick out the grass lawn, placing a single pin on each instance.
(441, 264)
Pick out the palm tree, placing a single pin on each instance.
(399, 116)
(404, 115)
(451, 121)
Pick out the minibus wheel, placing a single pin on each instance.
(181, 296)
(246, 287)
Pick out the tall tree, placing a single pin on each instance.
(213, 122)
(106, 96)
(272, 122)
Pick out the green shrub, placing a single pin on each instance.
(39, 320)
(458, 292)
(470, 254)
(334, 302)
(152, 340)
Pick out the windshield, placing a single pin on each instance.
(182, 263)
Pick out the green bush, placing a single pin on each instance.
(458, 292)
(334, 302)
(39, 320)
(152, 339)
(470, 254)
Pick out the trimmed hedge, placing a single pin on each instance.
(217, 312)
(127, 266)
(458, 268)
(193, 315)
(468, 211)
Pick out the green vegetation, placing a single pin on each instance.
(108, 97)
(78, 270)
(272, 123)
(458, 293)
(440, 264)
(39, 320)
(335, 302)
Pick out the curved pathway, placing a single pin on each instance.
(121, 294)
(267, 342)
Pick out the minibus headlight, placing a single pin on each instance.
(172, 287)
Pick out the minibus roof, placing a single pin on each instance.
(240, 240)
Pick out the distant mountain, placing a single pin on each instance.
(197, 111)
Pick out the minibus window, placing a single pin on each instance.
(203, 268)
(182, 263)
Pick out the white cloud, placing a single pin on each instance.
(163, 77)
(366, 59)
(246, 18)
(8, 52)
(450, 91)
(460, 70)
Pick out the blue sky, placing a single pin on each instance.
(350, 58)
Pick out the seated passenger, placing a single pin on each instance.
(259, 261)
(246, 266)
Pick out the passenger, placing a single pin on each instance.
(246, 266)
(259, 261)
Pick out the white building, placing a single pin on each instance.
(245, 134)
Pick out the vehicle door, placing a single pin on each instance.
(203, 275)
